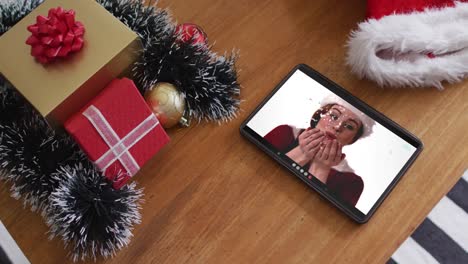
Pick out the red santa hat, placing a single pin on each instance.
(411, 42)
(367, 122)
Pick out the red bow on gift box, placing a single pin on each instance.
(55, 36)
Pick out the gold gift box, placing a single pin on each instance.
(62, 88)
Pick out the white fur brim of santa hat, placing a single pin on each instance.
(420, 48)
(367, 122)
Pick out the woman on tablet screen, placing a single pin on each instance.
(318, 148)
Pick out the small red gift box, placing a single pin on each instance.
(118, 131)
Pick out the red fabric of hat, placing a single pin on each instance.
(417, 43)
(379, 8)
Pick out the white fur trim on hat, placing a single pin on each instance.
(367, 122)
(409, 38)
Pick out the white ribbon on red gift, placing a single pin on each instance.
(118, 148)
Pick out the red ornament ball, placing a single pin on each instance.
(55, 36)
(189, 32)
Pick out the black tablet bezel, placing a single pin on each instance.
(351, 211)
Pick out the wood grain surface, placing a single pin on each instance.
(212, 197)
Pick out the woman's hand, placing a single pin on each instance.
(329, 153)
(309, 143)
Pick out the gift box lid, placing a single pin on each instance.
(123, 108)
(109, 48)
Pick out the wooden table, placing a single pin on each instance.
(212, 197)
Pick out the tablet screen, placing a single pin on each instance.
(329, 141)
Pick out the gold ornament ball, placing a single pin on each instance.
(166, 103)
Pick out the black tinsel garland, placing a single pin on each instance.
(147, 21)
(52, 175)
(13, 11)
(13, 107)
(30, 151)
(89, 214)
(207, 81)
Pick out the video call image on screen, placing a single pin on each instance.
(356, 157)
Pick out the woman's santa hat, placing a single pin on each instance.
(411, 42)
(367, 122)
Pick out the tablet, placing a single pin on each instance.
(335, 143)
